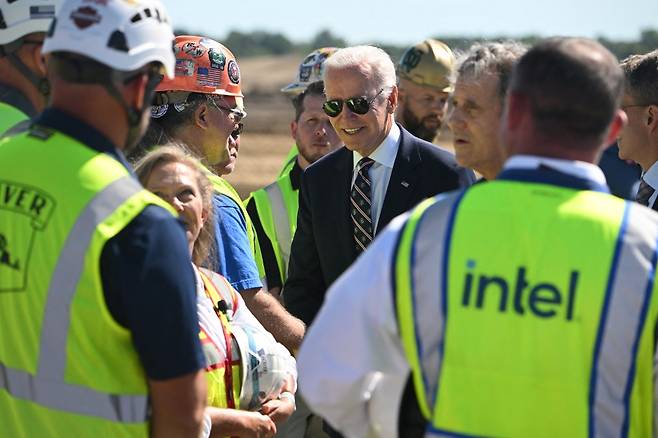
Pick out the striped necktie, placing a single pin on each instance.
(360, 198)
(644, 193)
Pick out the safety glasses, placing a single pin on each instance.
(236, 114)
(358, 105)
(237, 131)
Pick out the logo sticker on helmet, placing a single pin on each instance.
(158, 111)
(233, 72)
(305, 73)
(217, 59)
(410, 59)
(85, 16)
(193, 49)
(184, 67)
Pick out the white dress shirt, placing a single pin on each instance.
(380, 171)
(352, 367)
(651, 178)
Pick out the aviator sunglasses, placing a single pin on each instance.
(358, 105)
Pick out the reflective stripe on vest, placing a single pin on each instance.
(48, 387)
(277, 205)
(594, 324)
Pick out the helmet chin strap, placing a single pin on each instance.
(39, 82)
(134, 116)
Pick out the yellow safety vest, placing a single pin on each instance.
(223, 187)
(68, 368)
(277, 206)
(289, 162)
(10, 116)
(223, 373)
(528, 310)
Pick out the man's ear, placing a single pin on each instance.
(136, 88)
(37, 58)
(652, 118)
(618, 123)
(201, 116)
(293, 129)
(393, 99)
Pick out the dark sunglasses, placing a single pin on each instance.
(237, 131)
(358, 105)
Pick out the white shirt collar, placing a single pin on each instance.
(651, 176)
(578, 169)
(386, 152)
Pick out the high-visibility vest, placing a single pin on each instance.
(221, 186)
(289, 162)
(67, 367)
(528, 310)
(223, 374)
(10, 116)
(277, 206)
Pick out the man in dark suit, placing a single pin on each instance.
(352, 193)
(639, 139)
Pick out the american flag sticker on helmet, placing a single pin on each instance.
(43, 11)
(208, 77)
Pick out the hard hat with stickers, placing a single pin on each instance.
(202, 66)
(264, 369)
(310, 70)
(20, 18)
(428, 63)
(123, 35)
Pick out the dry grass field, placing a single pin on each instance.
(266, 139)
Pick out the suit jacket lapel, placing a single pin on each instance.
(339, 203)
(401, 186)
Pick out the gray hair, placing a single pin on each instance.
(369, 59)
(641, 74)
(490, 58)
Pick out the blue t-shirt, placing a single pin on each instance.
(234, 259)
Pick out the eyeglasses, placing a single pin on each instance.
(236, 113)
(237, 131)
(358, 105)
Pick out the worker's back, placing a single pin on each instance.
(543, 314)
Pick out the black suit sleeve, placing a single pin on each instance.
(304, 289)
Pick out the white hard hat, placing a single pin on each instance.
(264, 370)
(20, 18)
(124, 35)
(310, 70)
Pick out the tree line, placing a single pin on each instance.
(259, 43)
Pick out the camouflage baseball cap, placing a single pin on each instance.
(428, 63)
(310, 70)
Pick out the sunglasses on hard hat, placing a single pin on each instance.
(358, 105)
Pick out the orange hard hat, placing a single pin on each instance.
(202, 66)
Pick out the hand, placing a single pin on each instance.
(257, 425)
(278, 410)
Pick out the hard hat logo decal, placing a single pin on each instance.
(305, 73)
(193, 49)
(233, 72)
(410, 59)
(217, 59)
(85, 17)
(184, 67)
(45, 11)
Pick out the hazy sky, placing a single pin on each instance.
(408, 21)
